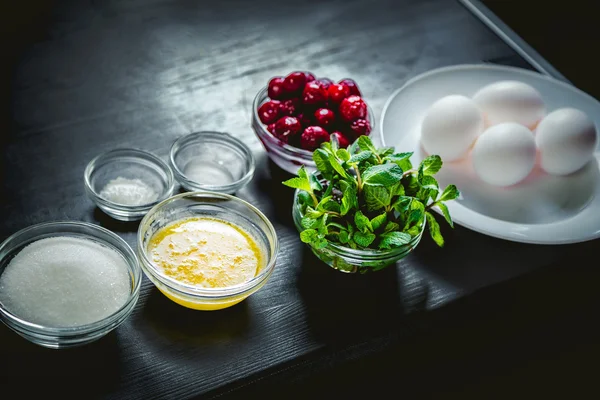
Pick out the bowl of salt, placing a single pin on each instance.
(66, 284)
(127, 183)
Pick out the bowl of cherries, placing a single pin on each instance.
(294, 114)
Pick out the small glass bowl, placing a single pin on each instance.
(215, 205)
(129, 164)
(346, 259)
(287, 157)
(53, 337)
(212, 161)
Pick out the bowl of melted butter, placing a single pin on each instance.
(207, 250)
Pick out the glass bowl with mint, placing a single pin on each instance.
(365, 208)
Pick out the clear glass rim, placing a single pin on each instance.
(65, 332)
(135, 153)
(210, 293)
(371, 254)
(221, 137)
(294, 151)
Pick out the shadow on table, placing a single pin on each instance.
(345, 308)
(178, 324)
(114, 225)
(69, 373)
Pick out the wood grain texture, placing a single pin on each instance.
(98, 75)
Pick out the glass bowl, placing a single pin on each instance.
(214, 205)
(346, 259)
(151, 179)
(61, 337)
(212, 161)
(287, 157)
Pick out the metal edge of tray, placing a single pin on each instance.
(510, 37)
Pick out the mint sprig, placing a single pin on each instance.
(369, 198)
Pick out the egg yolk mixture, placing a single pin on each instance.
(206, 252)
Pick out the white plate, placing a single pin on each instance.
(542, 209)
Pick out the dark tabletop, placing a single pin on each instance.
(480, 317)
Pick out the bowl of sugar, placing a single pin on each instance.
(127, 183)
(66, 284)
(211, 161)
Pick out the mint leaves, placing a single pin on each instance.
(369, 198)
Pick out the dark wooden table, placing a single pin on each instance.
(480, 317)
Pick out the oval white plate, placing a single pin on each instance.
(542, 209)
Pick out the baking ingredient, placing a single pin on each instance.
(129, 192)
(206, 252)
(566, 139)
(510, 101)
(504, 154)
(65, 281)
(369, 198)
(450, 126)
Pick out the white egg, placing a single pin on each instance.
(504, 154)
(567, 139)
(450, 126)
(510, 101)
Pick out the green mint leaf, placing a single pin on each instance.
(309, 236)
(411, 185)
(314, 183)
(414, 230)
(343, 154)
(344, 237)
(335, 164)
(336, 225)
(384, 174)
(363, 223)
(327, 146)
(429, 189)
(415, 215)
(335, 144)
(402, 160)
(353, 148)
(392, 240)
(402, 204)
(328, 204)
(360, 157)
(378, 221)
(398, 190)
(312, 213)
(376, 197)
(450, 193)
(434, 229)
(385, 151)
(391, 226)
(309, 223)
(431, 165)
(349, 199)
(446, 213)
(304, 199)
(365, 144)
(350, 228)
(351, 243)
(320, 243)
(298, 183)
(363, 239)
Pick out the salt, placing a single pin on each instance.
(65, 282)
(130, 192)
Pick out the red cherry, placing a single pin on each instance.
(351, 85)
(287, 127)
(361, 127)
(271, 128)
(337, 92)
(342, 140)
(324, 117)
(276, 90)
(312, 137)
(326, 82)
(269, 112)
(314, 93)
(353, 108)
(304, 119)
(309, 76)
(294, 82)
(290, 107)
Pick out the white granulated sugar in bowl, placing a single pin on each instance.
(130, 192)
(65, 282)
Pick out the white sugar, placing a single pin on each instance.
(65, 282)
(130, 192)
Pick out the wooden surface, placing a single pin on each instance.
(89, 76)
